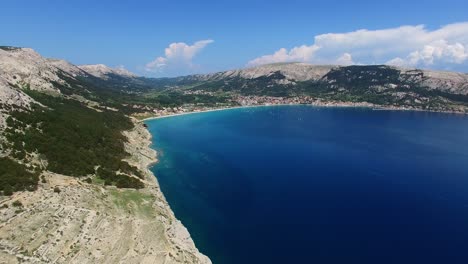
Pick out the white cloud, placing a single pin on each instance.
(178, 55)
(437, 52)
(302, 53)
(405, 45)
(345, 59)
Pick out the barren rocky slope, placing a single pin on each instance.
(453, 82)
(292, 71)
(81, 222)
(102, 71)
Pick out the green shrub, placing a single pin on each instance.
(119, 180)
(17, 203)
(73, 138)
(15, 177)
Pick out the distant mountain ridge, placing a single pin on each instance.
(452, 82)
(23, 68)
(102, 71)
(292, 71)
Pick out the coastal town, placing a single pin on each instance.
(249, 101)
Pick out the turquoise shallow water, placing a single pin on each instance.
(300, 184)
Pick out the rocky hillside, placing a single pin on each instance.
(377, 84)
(74, 180)
(72, 220)
(293, 73)
(103, 71)
(25, 68)
(296, 73)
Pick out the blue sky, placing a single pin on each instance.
(211, 36)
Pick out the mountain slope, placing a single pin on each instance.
(102, 71)
(45, 111)
(74, 180)
(377, 84)
(292, 73)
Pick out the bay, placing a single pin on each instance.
(302, 184)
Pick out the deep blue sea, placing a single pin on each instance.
(302, 184)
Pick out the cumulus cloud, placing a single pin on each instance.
(405, 45)
(440, 52)
(177, 55)
(345, 59)
(302, 53)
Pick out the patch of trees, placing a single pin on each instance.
(361, 78)
(262, 86)
(8, 48)
(175, 99)
(119, 180)
(122, 93)
(425, 91)
(73, 138)
(16, 177)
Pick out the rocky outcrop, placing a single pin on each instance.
(25, 68)
(292, 71)
(103, 71)
(451, 82)
(13, 97)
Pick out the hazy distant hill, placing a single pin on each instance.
(379, 84)
(22, 68)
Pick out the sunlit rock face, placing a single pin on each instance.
(102, 71)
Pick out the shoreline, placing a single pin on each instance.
(89, 222)
(344, 105)
(207, 111)
(188, 241)
(140, 148)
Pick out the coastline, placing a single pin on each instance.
(143, 156)
(206, 111)
(177, 233)
(70, 220)
(337, 105)
(369, 124)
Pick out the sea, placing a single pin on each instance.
(304, 184)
